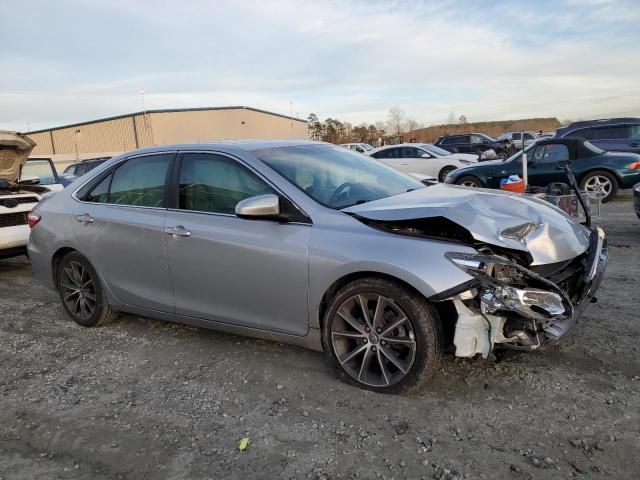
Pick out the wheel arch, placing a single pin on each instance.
(55, 262)
(607, 169)
(443, 309)
(447, 168)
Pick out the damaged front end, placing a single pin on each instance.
(515, 307)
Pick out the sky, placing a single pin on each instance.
(77, 60)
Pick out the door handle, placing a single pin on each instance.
(85, 218)
(178, 231)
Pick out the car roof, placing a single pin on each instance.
(228, 145)
(602, 122)
(384, 147)
(573, 143)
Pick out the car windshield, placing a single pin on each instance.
(593, 148)
(441, 152)
(41, 169)
(335, 177)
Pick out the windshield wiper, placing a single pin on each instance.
(358, 202)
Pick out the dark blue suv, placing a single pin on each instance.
(613, 134)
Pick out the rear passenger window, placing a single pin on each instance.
(139, 182)
(611, 133)
(581, 132)
(215, 183)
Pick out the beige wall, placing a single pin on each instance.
(112, 137)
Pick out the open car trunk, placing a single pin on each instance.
(15, 148)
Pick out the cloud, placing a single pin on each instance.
(352, 60)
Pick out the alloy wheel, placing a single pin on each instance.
(78, 290)
(469, 183)
(373, 340)
(599, 185)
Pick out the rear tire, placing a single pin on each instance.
(82, 293)
(469, 181)
(602, 182)
(444, 172)
(395, 351)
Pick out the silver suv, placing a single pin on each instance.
(312, 244)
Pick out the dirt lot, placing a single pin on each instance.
(141, 398)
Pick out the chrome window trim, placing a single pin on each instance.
(228, 215)
(178, 152)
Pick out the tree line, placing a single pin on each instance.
(379, 133)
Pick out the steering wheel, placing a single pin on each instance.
(340, 191)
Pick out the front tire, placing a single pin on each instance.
(469, 181)
(81, 292)
(382, 336)
(600, 182)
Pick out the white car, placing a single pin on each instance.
(417, 158)
(17, 198)
(358, 147)
(516, 138)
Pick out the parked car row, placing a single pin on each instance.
(597, 171)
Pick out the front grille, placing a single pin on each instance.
(13, 219)
(15, 201)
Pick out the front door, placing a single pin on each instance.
(252, 273)
(543, 164)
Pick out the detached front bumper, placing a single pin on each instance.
(515, 307)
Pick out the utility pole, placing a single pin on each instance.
(525, 176)
(142, 98)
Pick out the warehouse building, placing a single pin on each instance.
(115, 135)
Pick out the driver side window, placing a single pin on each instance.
(554, 153)
(215, 183)
(411, 152)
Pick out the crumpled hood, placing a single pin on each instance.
(491, 216)
(15, 148)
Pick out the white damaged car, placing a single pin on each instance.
(17, 198)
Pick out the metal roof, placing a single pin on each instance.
(166, 110)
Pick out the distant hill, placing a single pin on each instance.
(494, 129)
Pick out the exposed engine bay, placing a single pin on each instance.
(514, 307)
(510, 302)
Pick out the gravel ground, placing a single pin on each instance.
(142, 398)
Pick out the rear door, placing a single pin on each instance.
(119, 224)
(252, 273)
(615, 138)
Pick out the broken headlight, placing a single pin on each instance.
(507, 286)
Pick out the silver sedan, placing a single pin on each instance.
(311, 244)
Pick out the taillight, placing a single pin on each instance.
(634, 166)
(33, 219)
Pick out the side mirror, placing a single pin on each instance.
(260, 207)
(425, 155)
